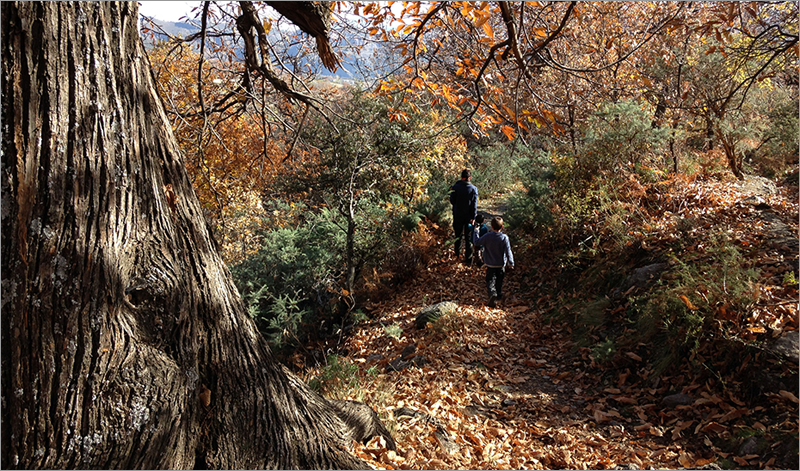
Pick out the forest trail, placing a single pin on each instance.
(507, 387)
(504, 384)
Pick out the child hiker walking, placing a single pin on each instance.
(480, 226)
(496, 253)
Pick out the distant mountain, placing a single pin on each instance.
(163, 29)
(169, 27)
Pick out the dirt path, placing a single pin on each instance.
(506, 388)
(503, 381)
(495, 205)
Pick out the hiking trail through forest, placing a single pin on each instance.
(508, 388)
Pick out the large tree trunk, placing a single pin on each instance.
(124, 341)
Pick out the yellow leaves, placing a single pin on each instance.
(487, 29)
(481, 18)
(509, 132)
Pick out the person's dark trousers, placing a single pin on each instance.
(494, 281)
(462, 234)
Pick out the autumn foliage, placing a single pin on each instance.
(615, 136)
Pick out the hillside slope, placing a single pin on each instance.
(559, 376)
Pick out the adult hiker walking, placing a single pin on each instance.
(464, 198)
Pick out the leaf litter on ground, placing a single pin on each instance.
(513, 391)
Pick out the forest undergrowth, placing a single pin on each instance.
(561, 375)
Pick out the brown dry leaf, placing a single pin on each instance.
(713, 427)
(625, 399)
(680, 427)
(600, 416)
(684, 459)
(597, 440)
(788, 395)
(704, 461)
(633, 356)
(734, 414)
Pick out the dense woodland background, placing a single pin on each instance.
(644, 156)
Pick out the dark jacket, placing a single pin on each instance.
(465, 206)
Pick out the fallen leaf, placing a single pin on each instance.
(688, 303)
(601, 416)
(633, 356)
(788, 395)
(713, 427)
(680, 427)
(741, 461)
(625, 399)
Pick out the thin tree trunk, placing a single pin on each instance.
(734, 162)
(124, 341)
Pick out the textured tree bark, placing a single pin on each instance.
(124, 341)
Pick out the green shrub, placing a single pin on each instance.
(680, 317)
(771, 129)
(604, 351)
(436, 205)
(394, 331)
(495, 167)
(724, 277)
(531, 209)
(619, 135)
(296, 284)
(337, 379)
(293, 276)
(279, 317)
